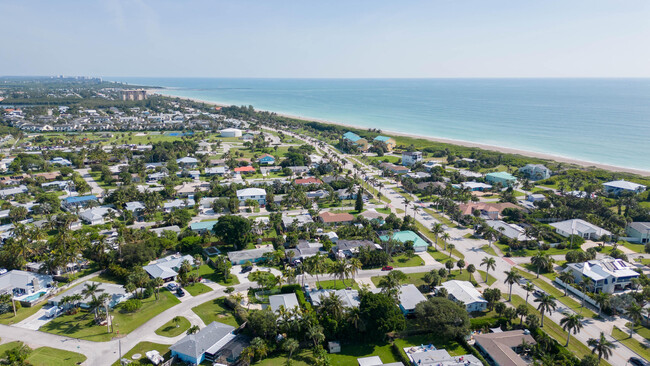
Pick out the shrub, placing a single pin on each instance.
(118, 272)
(131, 305)
(147, 293)
(301, 300)
(230, 290)
(230, 302)
(287, 289)
(241, 314)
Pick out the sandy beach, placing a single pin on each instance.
(505, 150)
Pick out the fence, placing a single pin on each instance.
(577, 293)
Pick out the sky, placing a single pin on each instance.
(326, 39)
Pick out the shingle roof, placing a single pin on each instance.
(289, 301)
(206, 339)
(499, 346)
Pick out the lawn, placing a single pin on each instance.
(631, 343)
(215, 311)
(550, 275)
(47, 356)
(22, 313)
(416, 279)
(559, 295)
(170, 329)
(338, 285)
(638, 248)
(142, 348)
(452, 346)
(82, 325)
(348, 355)
(197, 288)
(404, 261)
(441, 243)
(641, 330)
(489, 250)
(490, 280)
(209, 273)
(529, 253)
(441, 218)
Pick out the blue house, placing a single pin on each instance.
(419, 245)
(506, 179)
(202, 227)
(266, 159)
(78, 201)
(215, 341)
(356, 139)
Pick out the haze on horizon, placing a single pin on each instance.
(337, 39)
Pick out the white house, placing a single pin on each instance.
(21, 283)
(177, 204)
(95, 216)
(288, 301)
(608, 274)
(579, 227)
(256, 194)
(167, 268)
(10, 192)
(187, 162)
(535, 171)
(61, 161)
(464, 292)
(619, 186)
(230, 132)
(638, 232)
(411, 157)
(511, 231)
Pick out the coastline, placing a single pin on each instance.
(505, 150)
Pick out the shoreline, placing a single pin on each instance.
(501, 149)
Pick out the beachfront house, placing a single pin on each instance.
(504, 178)
(357, 140)
(535, 171)
(388, 141)
(621, 186)
(582, 228)
(463, 292)
(411, 157)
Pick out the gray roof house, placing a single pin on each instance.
(579, 227)
(167, 268)
(409, 297)
(638, 232)
(253, 255)
(289, 301)
(21, 283)
(159, 231)
(207, 344)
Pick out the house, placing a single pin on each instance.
(21, 284)
(638, 232)
(203, 226)
(505, 179)
(245, 170)
(463, 292)
(288, 301)
(187, 162)
(218, 170)
(178, 204)
(188, 189)
(476, 186)
(579, 227)
(348, 248)
(331, 236)
(356, 140)
(266, 159)
(349, 298)
(409, 296)
(299, 221)
(511, 231)
(117, 294)
(303, 250)
(95, 216)
(321, 193)
(11, 192)
(488, 210)
(167, 267)
(59, 185)
(419, 245)
(252, 255)
(501, 348)
(61, 161)
(389, 141)
(335, 218)
(186, 173)
(608, 274)
(160, 230)
(247, 136)
(214, 343)
(372, 215)
(411, 157)
(79, 201)
(535, 197)
(431, 164)
(395, 169)
(418, 175)
(136, 207)
(535, 171)
(255, 194)
(230, 132)
(156, 177)
(308, 181)
(619, 186)
(428, 355)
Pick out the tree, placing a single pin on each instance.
(177, 321)
(193, 330)
(290, 345)
(512, 277)
(391, 283)
(635, 313)
(540, 260)
(567, 278)
(546, 305)
(445, 316)
(380, 315)
(522, 311)
(339, 269)
(263, 323)
(233, 230)
(601, 346)
(461, 264)
(358, 204)
(449, 265)
(603, 300)
(529, 287)
(571, 323)
(450, 247)
(490, 264)
(492, 296)
(17, 356)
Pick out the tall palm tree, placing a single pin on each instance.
(540, 260)
(585, 285)
(339, 269)
(315, 334)
(571, 323)
(490, 264)
(529, 287)
(436, 230)
(290, 345)
(601, 346)
(635, 313)
(512, 276)
(445, 238)
(354, 265)
(451, 248)
(568, 279)
(546, 305)
(603, 300)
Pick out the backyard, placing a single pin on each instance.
(215, 311)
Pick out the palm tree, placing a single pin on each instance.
(490, 264)
(354, 265)
(260, 347)
(546, 305)
(585, 285)
(193, 329)
(522, 311)
(290, 345)
(445, 238)
(104, 300)
(451, 248)
(571, 323)
(512, 277)
(567, 278)
(339, 269)
(635, 313)
(177, 321)
(91, 289)
(603, 300)
(315, 333)
(437, 229)
(198, 262)
(529, 287)
(601, 346)
(540, 260)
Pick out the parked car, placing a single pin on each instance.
(180, 292)
(172, 287)
(635, 361)
(246, 269)
(387, 268)
(538, 293)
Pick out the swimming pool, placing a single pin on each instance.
(34, 296)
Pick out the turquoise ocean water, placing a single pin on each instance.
(598, 120)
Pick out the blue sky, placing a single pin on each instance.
(452, 38)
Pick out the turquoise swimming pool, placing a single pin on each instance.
(34, 296)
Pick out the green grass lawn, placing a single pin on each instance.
(559, 295)
(490, 279)
(452, 346)
(643, 331)
(47, 356)
(631, 343)
(170, 329)
(142, 348)
(209, 273)
(529, 253)
(348, 355)
(404, 261)
(489, 250)
(440, 218)
(215, 311)
(21, 314)
(413, 278)
(197, 288)
(338, 285)
(550, 275)
(638, 248)
(82, 325)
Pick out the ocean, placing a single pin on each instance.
(603, 121)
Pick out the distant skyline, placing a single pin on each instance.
(334, 39)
